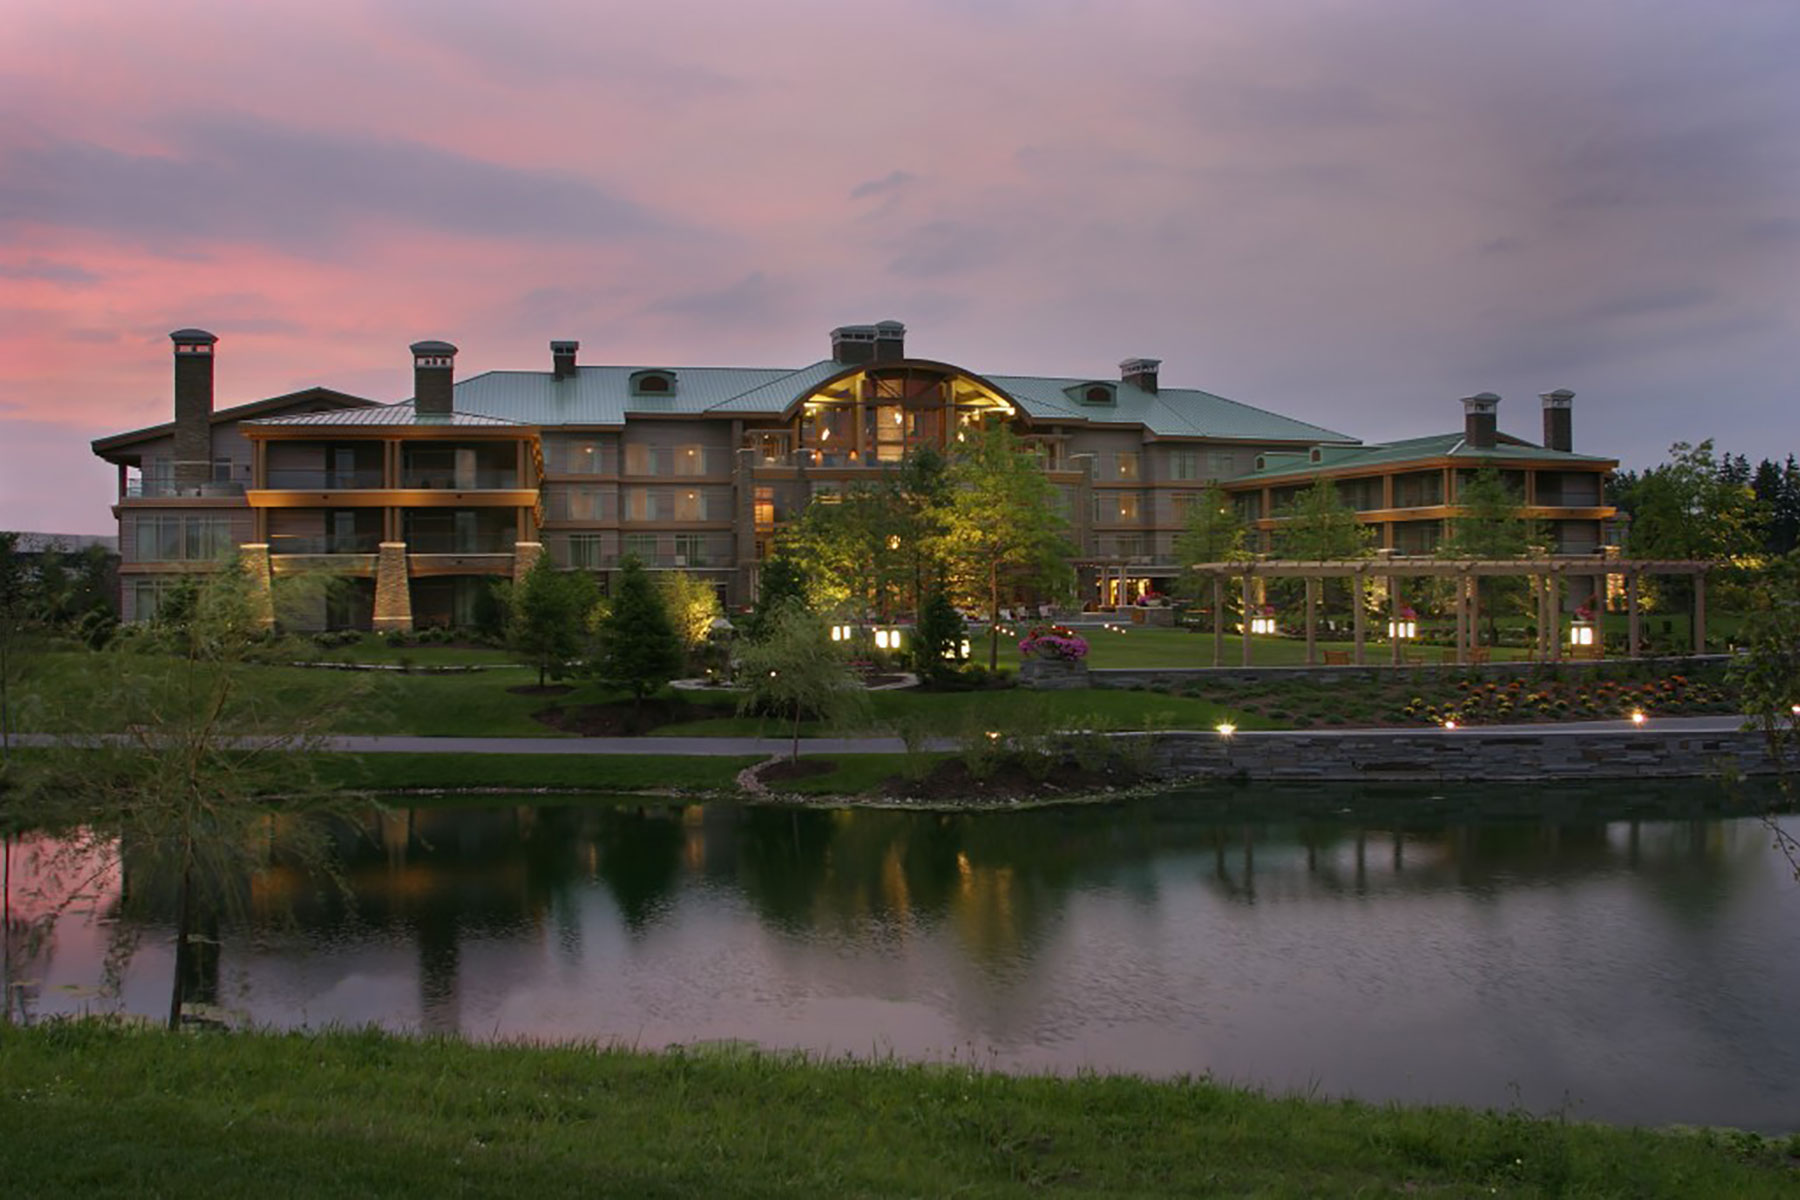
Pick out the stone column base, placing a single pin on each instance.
(525, 556)
(254, 560)
(1050, 674)
(393, 590)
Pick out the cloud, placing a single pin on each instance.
(50, 272)
(753, 296)
(946, 247)
(889, 184)
(260, 180)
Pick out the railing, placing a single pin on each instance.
(485, 479)
(461, 543)
(160, 489)
(330, 544)
(306, 479)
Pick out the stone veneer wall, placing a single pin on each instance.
(393, 590)
(1464, 755)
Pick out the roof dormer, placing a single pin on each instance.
(653, 382)
(1096, 393)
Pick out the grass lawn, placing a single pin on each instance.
(374, 649)
(1135, 646)
(95, 1109)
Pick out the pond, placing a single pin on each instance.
(1622, 970)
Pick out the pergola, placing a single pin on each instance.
(1546, 576)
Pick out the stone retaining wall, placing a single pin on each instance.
(1180, 677)
(1456, 756)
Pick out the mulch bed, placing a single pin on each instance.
(1009, 780)
(622, 718)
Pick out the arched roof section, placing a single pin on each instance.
(824, 388)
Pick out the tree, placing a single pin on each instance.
(1689, 508)
(546, 618)
(780, 580)
(1318, 526)
(847, 546)
(795, 671)
(1002, 536)
(1766, 673)
(692, 606)
(185, 790)
(1490, 523)
(939, 635)
(1777, 490)
(1212, 531)
(639, 649)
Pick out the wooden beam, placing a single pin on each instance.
(1246, 619)
(1634, 618)
(1312, 622)
(1218, 638)
(1358, 618)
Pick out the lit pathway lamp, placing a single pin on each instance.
(1263, 622)
(1582, 634)
(1405, 626)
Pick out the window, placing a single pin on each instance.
(582, 458)
(642, 545)
(1184, 464)
(1184, 502)
(640, 460)
(690, 550)
(173, 538)
(765, 507)
(585, 504)
(1129, 545)
(690, 504)
(147, 596)
(1224, 465)
(1097, 393)
(641, 504)
(652, 383)
(690, 460)
(585, 550)
(1125, 464)
(1130, 507)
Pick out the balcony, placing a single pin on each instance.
(328, 544)
(168, 489)
(466, 542)
(485, 479)
(321, 479)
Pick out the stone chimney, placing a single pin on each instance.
(562, 359)
(1559, 433)
(1480, 420)
(890, 341)
(434, 378)
(1140, 373)
(193, 406)
(853, 344)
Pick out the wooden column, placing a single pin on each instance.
(1553, 608)
(1218, 600)
(1312, 623)
(1700, 612)
(1634, 621)
(1358, 619)
(1461, 587)
(1474, 617)
(1394, 618)
(1247, 619)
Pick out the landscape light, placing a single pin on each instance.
(1581, 633)
(1638, 717)
(1262, 624)
(1402, 630)
(1451, 724)
(1225, 728)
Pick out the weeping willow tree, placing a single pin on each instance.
(193, 760)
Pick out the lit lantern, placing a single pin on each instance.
(1263, 622)
(841, 633)
(887, 639)
(1401, 631)
(1581, 633)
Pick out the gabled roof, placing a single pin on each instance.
(603, 395)
(313, 399)
(402, 413)
(1384, 456)
(1169, 412)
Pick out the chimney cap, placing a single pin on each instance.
(564, 347)
(889, 327)
(1139, 366)
(193, 337)
(1480, 402)
(434, 349)
(1558, 399)
(853, 333)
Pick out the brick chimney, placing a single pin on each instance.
(853, 344)
(1480, 420)
(562, 359)
(1141, 373)
(1559, 433)
(193, 406)
(890, 341)
(434, 378)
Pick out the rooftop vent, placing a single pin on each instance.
(1140, 373)
(562, 359)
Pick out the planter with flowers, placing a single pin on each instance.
(1055, 657)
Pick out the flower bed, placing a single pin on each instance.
(1055, 643)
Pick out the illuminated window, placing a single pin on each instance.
(1125, 464)
(690, 460)
(1130, 506)
(765, 508)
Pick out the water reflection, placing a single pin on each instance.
(1637, 967)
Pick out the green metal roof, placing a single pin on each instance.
(1385, 455)
(602, 395)
(388, 414)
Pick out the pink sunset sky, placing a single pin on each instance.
(1353, 212)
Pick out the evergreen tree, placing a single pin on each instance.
(1777, 490)
(546, 620)
(1688, 508)
(938, 636)
(780, 579)
(639, 649)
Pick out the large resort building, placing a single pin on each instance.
(420, 505)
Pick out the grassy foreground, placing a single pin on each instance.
(91, 1108)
